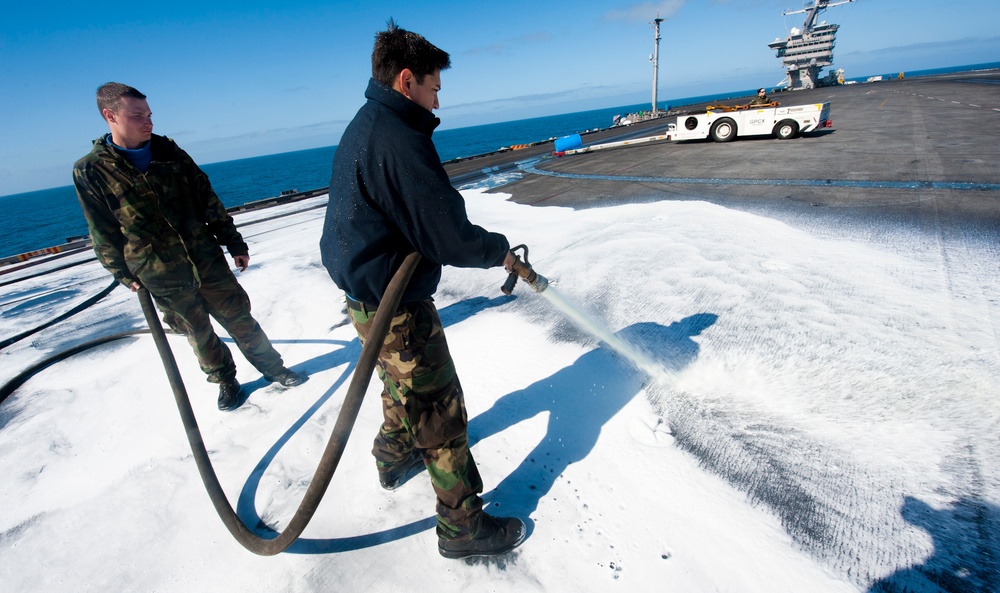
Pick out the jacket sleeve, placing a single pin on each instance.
(432, 215)
(213, 213)
(105, 230)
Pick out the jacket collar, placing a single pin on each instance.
(104, 150)
(414, 115)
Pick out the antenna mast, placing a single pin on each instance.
(655, 58)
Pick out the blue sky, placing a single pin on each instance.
(230, 80)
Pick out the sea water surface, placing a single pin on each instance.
(47, 218)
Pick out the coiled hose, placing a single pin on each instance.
(335, 446)
(89, 302)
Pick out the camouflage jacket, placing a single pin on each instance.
(164, 227)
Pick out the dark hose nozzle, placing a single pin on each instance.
(522, 269)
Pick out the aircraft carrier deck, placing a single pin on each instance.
(919, 151)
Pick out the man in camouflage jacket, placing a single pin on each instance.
(157, 224)
(760, 99)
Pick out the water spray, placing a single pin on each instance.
(580, 318)
(524, 270)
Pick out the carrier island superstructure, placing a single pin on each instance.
(808, 50)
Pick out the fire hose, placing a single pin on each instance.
(335, 446)
(345, 420)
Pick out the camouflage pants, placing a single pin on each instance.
(187, 312)
(424, 408)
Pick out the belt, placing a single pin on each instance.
(359, 306)
(366, 308)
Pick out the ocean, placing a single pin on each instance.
(47, 218)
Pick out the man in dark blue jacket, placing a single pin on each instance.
(390, 196)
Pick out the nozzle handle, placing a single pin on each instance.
(508, 286)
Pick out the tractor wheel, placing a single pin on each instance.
(723, 130)
(786, 130)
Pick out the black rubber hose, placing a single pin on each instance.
(335, 446)
(10, 386)
(29, 264)
(70, 313)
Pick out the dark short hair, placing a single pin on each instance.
(397, 49)
(109, 96)
(760, 90)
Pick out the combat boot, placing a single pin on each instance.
(394, 476)
(229, 395)
(286, 378)
(496, 535)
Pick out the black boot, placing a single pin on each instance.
(394, 476)
(286, 378)
(496, 535)
(229, 395)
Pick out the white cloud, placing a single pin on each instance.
(645, 11)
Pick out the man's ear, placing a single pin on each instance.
(403, 81)
(108, 115)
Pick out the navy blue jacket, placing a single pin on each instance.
(390, 196)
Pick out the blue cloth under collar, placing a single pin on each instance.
(139, 157)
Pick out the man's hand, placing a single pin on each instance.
(508, 261)
(242, 262)
(134, 287)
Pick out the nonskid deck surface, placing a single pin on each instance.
(918, 150)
